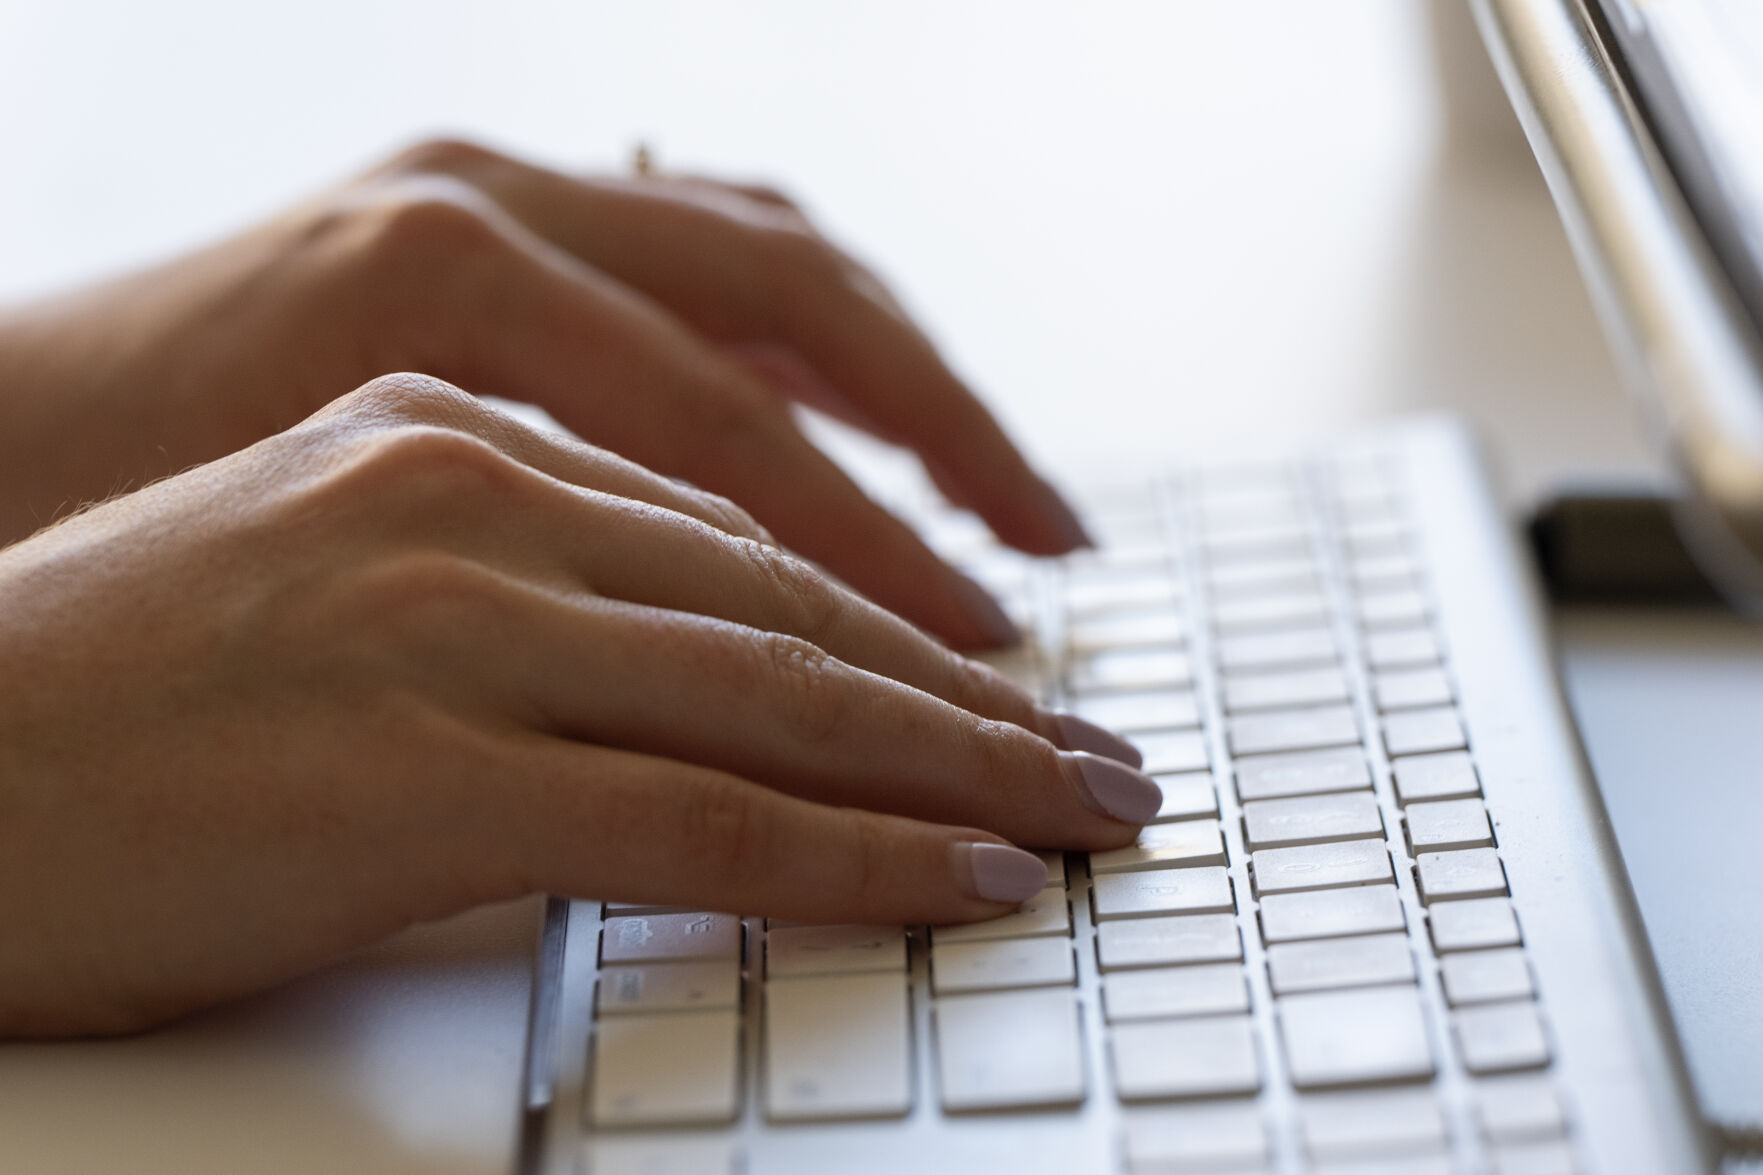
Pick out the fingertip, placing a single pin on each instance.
(1068, 732)
(996, 872)
(992, 624)
(1111, 788)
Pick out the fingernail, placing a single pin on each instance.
(1112, 789)
(1066, 524)
(1068, 732)
(998, 628)
(999, 873)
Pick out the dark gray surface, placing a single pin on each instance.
(1670, 705)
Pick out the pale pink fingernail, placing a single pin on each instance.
(1111, 788)
(1068, 732)
(999, 873)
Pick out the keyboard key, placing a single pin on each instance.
(1127, 629)
(1367, 1035)
(1199, 1138)
(1047, 913)
(1271, 691)
(1554, 1157)
(1163, 846)
(834, 950)
(1130, 669)
(1330, 913)
(1361, 961)
(1146, 710)
(1187, 795)
(1420, 732)
(669, 987)
(1353, 862)
(1484, 977)
(1402, 648)
(1003, 963)
(1009, 1051)
(1264, 777)
(1376, 536)
(1406, 689)
(1162, 891)
(1257, 613)
(1277, 650)
(1518, 1108)
(678, 1068)
(1111, 590)
(1254, 577)
(1392, 609)
(1185, 1058)
(1435, 777)
(1473, 925)
(1448, 824)
(614, 1154)
(1165, 992)
(1160, 942)
(1494, 1038)
(1382, 1122)
(618, 909)
(655, 938)
(1312, 819)
(1292, 730)
(1173, 750)
(1055, 862)
(1259, 545)
(1462, 873)
(837, 1046)
(1377, 573)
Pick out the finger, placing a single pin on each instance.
(779, 710)
(597, 823)
(743, 270)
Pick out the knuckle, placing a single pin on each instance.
(425, 464)
(430, 217)
(419, 595)
(808, 694)
(805, 604)
(725, 515)
(445, 154)
(406, 396)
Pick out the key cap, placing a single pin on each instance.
(1353, 1037)
(1162, 891)
(654, 938)
(1330, 913)
(1392, 609)
(1164, 846)
(1352, 862)
(1277, 650)
(1273, 542)
(1008, 1051)
(837, 1046)
(1055, 862)
(1483, 977)
(1379, 536)
(1402, 647)
(1385, 572)
(1173, 750)
(834, 950)
(1110, 590)
(1360, 961)
(1448, 824)
(612, 1154)
(1047, 913)
(1184, 1058)
(1260, 613)
(1406, 689)
(1127, 629)
(1473, 925)
(1263, 777)
(1254, 577)
(1161, 993)
(1435, 777)
(1159, 942)
(1003, 963)
(617, 909)
(1420, 732)
(669, 987)
(1130, 669)
(1494, 1038)
(1312, 819)
(1199, 1138)
(1461, 873)
(1554, 1157)
(678, 1068)
(1147, 710)
(1381, 1122)
(1272, 691)
(1186, 795)
(1437, 1164)
(1275, 731)
(1517, 1108)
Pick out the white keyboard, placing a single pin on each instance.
(1326, 955)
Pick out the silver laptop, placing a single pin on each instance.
(1380, 925)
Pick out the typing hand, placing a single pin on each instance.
(669, 319)
(412, 655)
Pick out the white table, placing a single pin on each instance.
(1197, 225)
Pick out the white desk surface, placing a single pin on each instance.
(1140, 229)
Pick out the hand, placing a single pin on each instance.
(699, 309)
(412, 655)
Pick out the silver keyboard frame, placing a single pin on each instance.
(1617, 1063)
